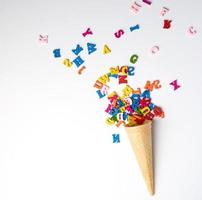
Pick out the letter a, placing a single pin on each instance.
(106, 49)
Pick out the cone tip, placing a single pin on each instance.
(151, 191)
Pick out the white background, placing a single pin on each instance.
(54, 143)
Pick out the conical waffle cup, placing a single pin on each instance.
(141, 141)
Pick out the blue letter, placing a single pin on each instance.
(116, 138)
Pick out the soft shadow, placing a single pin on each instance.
(155, 134)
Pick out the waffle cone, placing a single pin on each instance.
(141, 141)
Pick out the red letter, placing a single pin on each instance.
(119, 33)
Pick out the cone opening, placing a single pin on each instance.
(146, 122)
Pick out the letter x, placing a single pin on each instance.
(175, 85)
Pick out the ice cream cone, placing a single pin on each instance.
(141, 141)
